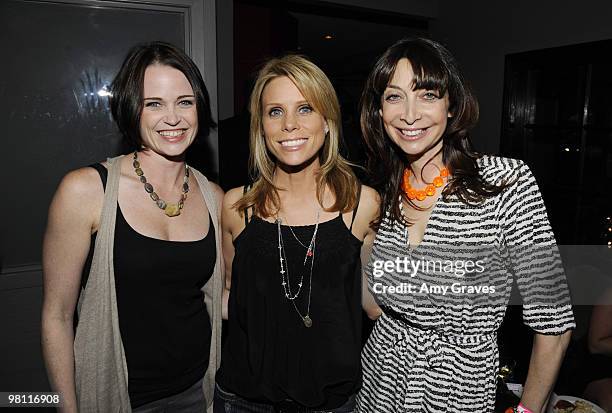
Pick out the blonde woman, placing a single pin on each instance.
(292, 244)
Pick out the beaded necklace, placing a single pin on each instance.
(171, 210)
(421, 194)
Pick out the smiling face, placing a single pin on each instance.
(169, 119)
(414, 119)
(293, 130)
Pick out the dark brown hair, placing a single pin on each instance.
(127, 89)
(435, 69)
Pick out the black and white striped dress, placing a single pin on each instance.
(434, 353)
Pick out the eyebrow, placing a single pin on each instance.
(401, 89)
(395, 87)
(301, 102)
(179, 97)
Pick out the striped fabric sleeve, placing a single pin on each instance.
(534, 256)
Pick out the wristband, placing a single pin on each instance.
(522, 409)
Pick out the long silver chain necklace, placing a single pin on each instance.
(296, 238)
(170, 209)
(284, 268)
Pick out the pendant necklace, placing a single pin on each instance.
(284, 268)
(170, 209)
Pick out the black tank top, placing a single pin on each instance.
(269, 354)
(164, 324)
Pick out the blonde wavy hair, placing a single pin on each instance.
(334, 173)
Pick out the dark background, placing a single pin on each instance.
(539, 68)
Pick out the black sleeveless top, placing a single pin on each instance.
(164, 324)
(269, 354)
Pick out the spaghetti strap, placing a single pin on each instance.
(246, 210)
(356, 207)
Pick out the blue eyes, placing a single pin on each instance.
(275, 112)
(156, 104)
(302, 110)
(305, 109)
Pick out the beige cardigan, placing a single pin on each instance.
(100, 369)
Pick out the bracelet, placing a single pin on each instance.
(521, 409)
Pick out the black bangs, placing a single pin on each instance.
(428, 64)
(435, 69)
(428, 75)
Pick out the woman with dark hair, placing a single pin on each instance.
(434, 348)
(136, 240)
(292, 243)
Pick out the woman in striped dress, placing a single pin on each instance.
(456, 229)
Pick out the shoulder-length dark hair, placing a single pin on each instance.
(435, 69)
(127, 89)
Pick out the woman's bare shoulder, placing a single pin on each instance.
(83, 183)
(78, 199)
(232, 196)
(232, 217)
(369, 202)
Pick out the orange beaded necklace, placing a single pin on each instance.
(421, 194)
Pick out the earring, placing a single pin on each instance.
(326, 129)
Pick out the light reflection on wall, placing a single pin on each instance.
(92, 98)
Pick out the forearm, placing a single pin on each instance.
(57, 346)
(370, 306)
(603, 346)
(368, 303)
(546, 357)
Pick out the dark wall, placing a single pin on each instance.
(480, 33)
(57, 58)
